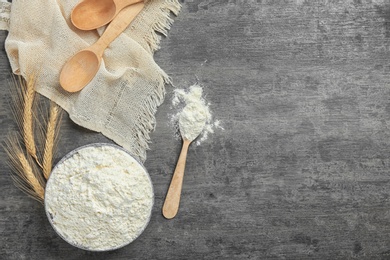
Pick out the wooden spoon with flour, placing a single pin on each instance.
(192, 121)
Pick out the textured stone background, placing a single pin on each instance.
(301, 170)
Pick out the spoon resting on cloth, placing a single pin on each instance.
(79, 70)
(191, 125)
(92, 14)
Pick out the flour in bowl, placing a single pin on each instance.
(99, 198)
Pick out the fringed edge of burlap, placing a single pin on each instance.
(161, 23)
(147, 120)
(158, 21)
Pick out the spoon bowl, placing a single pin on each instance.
(85, 65)
(92, 14)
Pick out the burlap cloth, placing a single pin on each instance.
(122, 99)
(5, 9)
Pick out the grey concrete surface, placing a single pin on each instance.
(301, 170)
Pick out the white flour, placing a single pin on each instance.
(99, 198)
(194, 119)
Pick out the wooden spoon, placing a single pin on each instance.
(79, 70)
(172, 200)
(192, 121)
(92, 14)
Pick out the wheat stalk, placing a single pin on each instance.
(52, 129)
(28, 173)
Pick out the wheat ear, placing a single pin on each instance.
(28, 117)
(52, 129)
(25, 175)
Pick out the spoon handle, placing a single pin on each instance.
(117, 26)
(172, 200)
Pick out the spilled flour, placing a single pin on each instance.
(194, 117)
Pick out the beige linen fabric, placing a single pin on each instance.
(122, 99)
(5, 9)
